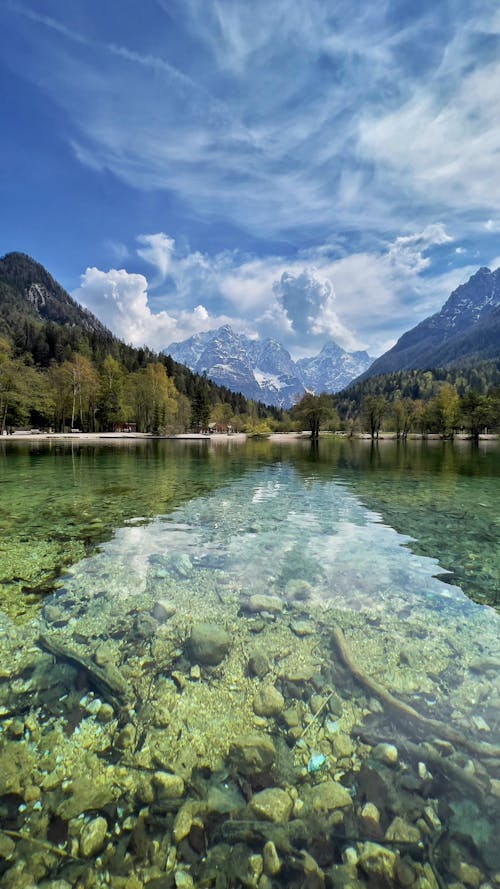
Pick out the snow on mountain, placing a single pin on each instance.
(263, 369)
(333, 368)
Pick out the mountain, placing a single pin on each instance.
(466, 328)
(45, 325)
(263, 369)
(333, 368)
(44, 298)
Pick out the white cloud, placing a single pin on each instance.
(361, 300)
(157, 250)
(307, 300)
(407, 251)
(120, 300)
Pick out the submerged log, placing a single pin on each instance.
(107, 681)
(438, 729)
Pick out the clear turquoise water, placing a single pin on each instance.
(394, 544)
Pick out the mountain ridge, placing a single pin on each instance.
(264, 369)
(467, 326)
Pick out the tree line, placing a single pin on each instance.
(81, 393)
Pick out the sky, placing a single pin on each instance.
(303, 169)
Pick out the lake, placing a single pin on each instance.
(269, 665)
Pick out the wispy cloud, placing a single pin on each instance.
(347, 151)
(290, 117)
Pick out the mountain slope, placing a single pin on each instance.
(263, 369)
(467, 326)
(45, 325)
(44, 297)
(333, 368)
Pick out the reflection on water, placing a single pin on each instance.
(264, 685)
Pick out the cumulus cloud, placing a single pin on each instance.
(307, 300)
(120, 301)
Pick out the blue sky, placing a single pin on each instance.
(301, 169)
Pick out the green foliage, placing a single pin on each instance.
(440, 401)
(83, 374)
(314, 411)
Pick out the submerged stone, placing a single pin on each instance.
(252, 754)
(377, 861)
(328, 796)
(258, 665)
(92, 837)
(168, 786)
(261, 602)
(268, 701)
(272, 804)
(209, 644)
(386, 753)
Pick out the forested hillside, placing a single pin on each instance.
(61, 368)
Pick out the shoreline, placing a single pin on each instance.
(238, 437)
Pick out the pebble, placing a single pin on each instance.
(370, 816)
(377, 861)
(182, 824)
(272, 804)
(183, 880)
(261, 602)
(401, 832)
(168, 786)
(386, 753)
(272, 863)
(163, 609)
(92, 837)
(252, 754)
(302, 628)
(209, 644)
(328, 796)
(268, 701)
(258, 665)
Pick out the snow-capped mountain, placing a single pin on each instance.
(263, 369)
(467, 326)
(333, 368)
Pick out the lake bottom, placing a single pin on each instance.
(266, 688)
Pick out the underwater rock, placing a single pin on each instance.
(272, 863)
(163, 609)
(400, 831)
(16, 763)
(105, 654)
(183, 880)
(328, 796)
(377, 861)
(298, 590)
(268, 701)
(272, 804)
(252, 754)
(92, 837)
(168, 786)
(370, 816)
(386, 753)
(7, 847)
(292, 716)
(316, 763)
(183, 823)
(208, 644)
(302, 628)
(258, 665)
(86, 796)
(262, 602)
(342, 745)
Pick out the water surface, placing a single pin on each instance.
(128, 750)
